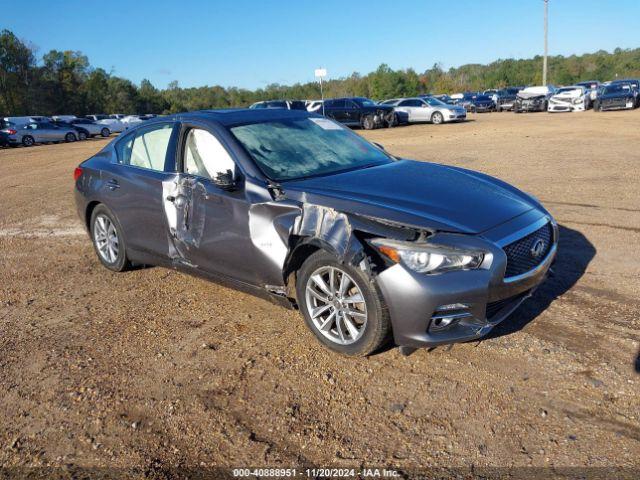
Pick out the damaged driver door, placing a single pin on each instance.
(207, 210)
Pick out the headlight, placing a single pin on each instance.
(426, 258)
(578, 100)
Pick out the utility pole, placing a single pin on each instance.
(546, 43)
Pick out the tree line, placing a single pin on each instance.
(64, 82)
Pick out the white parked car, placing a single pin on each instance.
(26, 120)
(426, 109)
(63, 118)
(132, 120)
(94, 129)
(114, 125)
(575, 98)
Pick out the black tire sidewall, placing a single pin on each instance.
(102, 132)
(367, 122)
(377, 330)
(70, 137)
(27, 141)
(121, 263)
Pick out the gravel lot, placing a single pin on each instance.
(155, 370)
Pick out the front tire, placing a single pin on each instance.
(108, 241)
(105, 132)
(69, 137)
(437, 118)
(367, 122)
(392, 120)
(82, 136)
(342, 306)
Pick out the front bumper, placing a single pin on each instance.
(565, 107)
(417, 301)
(626, 105)
(507, 105)
(453, 116)
(529, 106)
(483, 108)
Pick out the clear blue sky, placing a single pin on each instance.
(250, 43)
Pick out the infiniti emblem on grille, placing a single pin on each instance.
(537, 248)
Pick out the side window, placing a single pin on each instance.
(146, 149)
(205, 156)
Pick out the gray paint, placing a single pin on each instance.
(249, 237)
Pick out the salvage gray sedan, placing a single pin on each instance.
(296, 208)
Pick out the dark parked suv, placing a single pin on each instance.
(294, 207)
(360, 112)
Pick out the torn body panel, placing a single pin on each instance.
(184, 208)
(281, 229)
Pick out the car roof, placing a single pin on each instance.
(236, 116)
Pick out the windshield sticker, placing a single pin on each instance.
(326, 124)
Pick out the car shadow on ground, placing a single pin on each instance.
(637, 363)
(575, 252)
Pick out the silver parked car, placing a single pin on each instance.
(43, 132)
(427, 109)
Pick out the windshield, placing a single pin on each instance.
(434, 102)
(366, 102)
(619, 87)
(306, 147)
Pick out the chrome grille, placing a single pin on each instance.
(520, 254)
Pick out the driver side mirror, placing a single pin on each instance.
(225, 181)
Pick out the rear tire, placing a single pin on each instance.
(28, 141)
(69, 137)
(108, 240)
(105, 132)
(354, 334)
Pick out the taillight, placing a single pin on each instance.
(11, 131)
(77, 173)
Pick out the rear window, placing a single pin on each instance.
(146, 148)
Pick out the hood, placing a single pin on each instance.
(418, 194)
(377, 107)
(530, 95)
(569, 95)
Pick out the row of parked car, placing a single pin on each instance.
(30, 130)
(365, 113)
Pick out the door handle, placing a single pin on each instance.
(113, 184)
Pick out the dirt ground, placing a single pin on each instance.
(155, 370)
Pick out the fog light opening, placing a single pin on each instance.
(446, 316)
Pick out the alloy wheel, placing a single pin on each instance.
(336, 305)
(105, 237)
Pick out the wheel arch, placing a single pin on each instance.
(91, 206)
